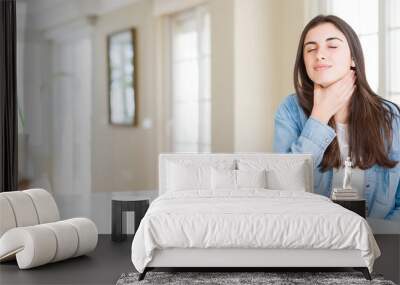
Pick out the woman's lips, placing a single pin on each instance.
(321, 67)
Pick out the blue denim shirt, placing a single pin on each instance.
(296, 133)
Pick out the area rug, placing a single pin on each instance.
(229, 278)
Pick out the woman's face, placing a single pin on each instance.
(326, 54)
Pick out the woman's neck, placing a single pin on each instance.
(341, 116)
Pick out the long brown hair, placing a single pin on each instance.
(369, 114)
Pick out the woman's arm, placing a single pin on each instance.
(314, 138)
(395, 213)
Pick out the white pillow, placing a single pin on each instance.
(293, 178)
(237, 179)
(223, 179)
(251, 178)
(182, 177)
(282, 174)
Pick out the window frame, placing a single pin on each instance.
(197, 12)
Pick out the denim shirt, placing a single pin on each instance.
(296, 133)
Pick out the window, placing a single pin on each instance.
(378, 28)
(191, 93)
(393, 31)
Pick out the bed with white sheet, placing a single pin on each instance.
(247, 210)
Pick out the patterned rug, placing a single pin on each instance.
(229, 278)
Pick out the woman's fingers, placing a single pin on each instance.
(317, 88)
(328, 100)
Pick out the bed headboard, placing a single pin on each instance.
(223, 159)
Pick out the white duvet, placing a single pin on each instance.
(252, 218)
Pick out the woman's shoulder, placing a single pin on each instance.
(394, 109)
(291, 112)
(290, 99)
(289, 103)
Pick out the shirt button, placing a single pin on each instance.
(367, 186)
(326, 140)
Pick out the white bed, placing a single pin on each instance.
(201, 220)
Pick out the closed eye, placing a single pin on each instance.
(310, 50)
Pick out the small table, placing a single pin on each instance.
(358, 206)
(127, 202)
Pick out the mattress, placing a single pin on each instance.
(251, 219)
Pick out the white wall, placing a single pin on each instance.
(222, 75)
(265, 36)
(125, 158)
(295, 15)
(257, 72)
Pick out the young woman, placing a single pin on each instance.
(335, 114)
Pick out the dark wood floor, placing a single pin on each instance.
(110, 259)
(102, 266)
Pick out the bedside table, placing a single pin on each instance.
(357, 206)
(132, 201)
(139, 206)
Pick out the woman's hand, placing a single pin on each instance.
(329, 100)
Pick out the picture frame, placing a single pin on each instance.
(122, 75)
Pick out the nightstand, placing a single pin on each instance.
(118, 207)
(357, 206)
(133, 201)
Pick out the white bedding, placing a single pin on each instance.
(251, 218)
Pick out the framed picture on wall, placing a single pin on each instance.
(122, 78)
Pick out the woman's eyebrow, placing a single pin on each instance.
(309, 43)
(333, 38)
(328, 39)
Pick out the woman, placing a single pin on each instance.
(335, 114)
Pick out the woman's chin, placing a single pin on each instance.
(325, 83)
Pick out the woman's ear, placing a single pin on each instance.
(353, 64)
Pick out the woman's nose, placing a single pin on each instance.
(320, 55)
